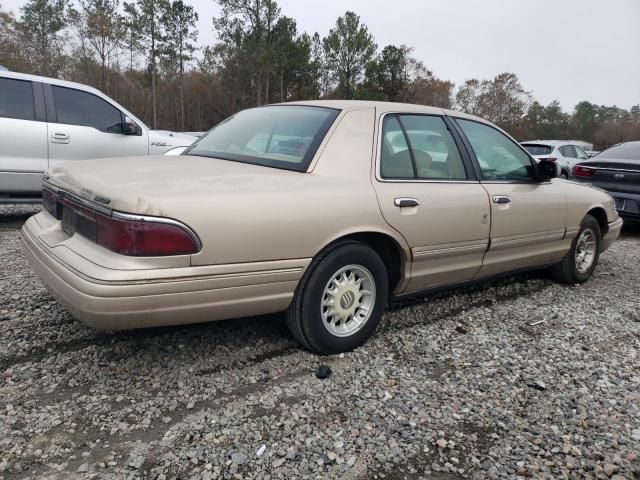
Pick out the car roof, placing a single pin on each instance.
(384, 107)
(555, 143)
(551, 143)
(52, 81)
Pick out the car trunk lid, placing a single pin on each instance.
(615, 175)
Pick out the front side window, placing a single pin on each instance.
(567, 151)
(16, 99)
(581, 153)
(499, 157)
(280, 136)
(75, 107)
(419, 146)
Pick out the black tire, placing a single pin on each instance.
(564, 174)
(304, 317)
(566, 271)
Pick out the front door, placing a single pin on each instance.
(23, 138)
(528, 217)
(86, 126)
(427, 191)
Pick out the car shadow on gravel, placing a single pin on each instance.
(630, 229)
(12, 217)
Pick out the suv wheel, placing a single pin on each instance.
(578, 264)
(340, 299)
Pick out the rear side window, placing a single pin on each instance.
(535, 149)
(419, 146)
(567, 151)
(75, 107)
(499, 157)
(16, 99)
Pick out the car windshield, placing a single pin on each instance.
(535, 149)
(281, 136)
(624, 151)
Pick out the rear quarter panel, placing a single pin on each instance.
(295, 215)
(583, 198)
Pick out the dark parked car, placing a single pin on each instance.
(616, 170)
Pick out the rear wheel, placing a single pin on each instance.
(578, 264)
(564, 174)
(340, 299)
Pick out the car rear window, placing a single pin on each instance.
(281, 136)
(627, 151)
(535, 149)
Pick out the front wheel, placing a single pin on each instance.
(578, 264)
(340, 299)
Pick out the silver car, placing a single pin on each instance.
(44, 121)
(565, 153)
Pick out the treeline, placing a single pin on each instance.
(146, 55)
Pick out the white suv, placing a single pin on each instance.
(44, 121)
(565, 153)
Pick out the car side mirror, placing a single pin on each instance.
(547, 170)
(129, 127)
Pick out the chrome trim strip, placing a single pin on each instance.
(611, 169)
(450, 250)
(50, 186)
(168, 221)
(84, 202)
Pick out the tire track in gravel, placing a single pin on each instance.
(115, 340)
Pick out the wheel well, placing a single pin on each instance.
(601, 217)
(388, 249)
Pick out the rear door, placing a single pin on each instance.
(528, 217)
(87, 126)
(427, 190)
(23, 137)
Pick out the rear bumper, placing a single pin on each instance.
(190, 297)
(612, 234)
(631, 204)
(631, 200)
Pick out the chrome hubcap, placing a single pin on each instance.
(348, 300)
(585, 250)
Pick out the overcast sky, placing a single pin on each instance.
(569, 50)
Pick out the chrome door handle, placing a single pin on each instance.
(501, 199)
(405, 202)
(58, 137)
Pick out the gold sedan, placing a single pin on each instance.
(324, 210)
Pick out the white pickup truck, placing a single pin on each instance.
(44, 121)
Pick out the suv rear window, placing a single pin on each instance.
(535, 149)
(16, 99)
(281, 136)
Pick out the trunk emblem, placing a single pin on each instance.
(619, 176)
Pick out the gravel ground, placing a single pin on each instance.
(458, 385)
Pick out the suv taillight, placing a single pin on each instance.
(580, 171)
(123, 233)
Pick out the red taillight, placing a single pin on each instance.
(126, 234)
(580, 171)
(49, 203)
(143, 238)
